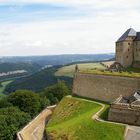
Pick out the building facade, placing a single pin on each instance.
(128, 49)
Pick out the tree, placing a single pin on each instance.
(4, 103)
(27, 101)
(1, 84)
(56, 92)
(11, 120)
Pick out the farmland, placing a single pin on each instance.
(69, 70)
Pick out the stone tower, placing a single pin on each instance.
(125, 48)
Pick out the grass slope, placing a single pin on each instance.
(72, 121)
(2, 96)
(69, 70)
(4, 84)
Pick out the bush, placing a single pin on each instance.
(56, 92)
(27, 101)
(11, 120)
(4, 103)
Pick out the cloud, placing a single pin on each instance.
(70, 26)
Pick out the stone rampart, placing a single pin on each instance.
(124, 113)
(34, 130)
(103, 87)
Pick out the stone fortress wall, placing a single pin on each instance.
(124, 113)
(103, 87)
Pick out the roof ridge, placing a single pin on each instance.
(129, 32)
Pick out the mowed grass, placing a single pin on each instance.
(72, 120)
(69, 70)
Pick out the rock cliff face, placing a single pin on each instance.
(104, 88)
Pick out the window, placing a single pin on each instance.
(136, 43)
(126, 56)
(128, 50)
(128, 43)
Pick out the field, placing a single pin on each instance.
(4, 84)
(72, 120)
(69, 70)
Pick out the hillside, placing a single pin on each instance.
(30, 67)
(37, 81)
(10, 70)
(49, 76)
(72, 120)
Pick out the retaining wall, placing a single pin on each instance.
(124, 115)
(34, 130)
(103, 87)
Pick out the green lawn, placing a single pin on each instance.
(72, 121)
(69, 70)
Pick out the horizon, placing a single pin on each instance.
(55, 27)
(111, 53)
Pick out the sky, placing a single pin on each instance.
(46, 27)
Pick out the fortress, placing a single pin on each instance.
(128, 49)
(115, 89)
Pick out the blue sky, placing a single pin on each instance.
(29, 12)
(45, 27)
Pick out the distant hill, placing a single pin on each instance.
(57, 59)
(49, 76)
(29, 67)
(37, 81)
(10, 70)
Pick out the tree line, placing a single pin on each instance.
(17, 109)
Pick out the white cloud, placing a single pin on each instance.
(95, 33)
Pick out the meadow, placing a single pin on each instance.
(69, 70)
(4, 84)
